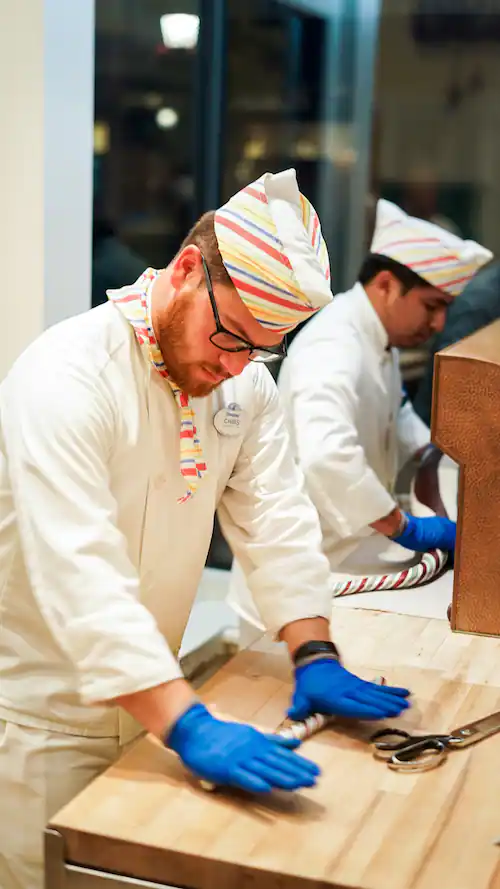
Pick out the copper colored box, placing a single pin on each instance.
(466, 426)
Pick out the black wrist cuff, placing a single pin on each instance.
(313, 651)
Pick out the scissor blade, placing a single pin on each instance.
(475, 731)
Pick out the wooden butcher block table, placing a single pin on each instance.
(146, 822)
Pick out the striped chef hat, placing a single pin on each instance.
(440, 257)
(270, 241)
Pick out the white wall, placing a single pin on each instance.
(46, 109)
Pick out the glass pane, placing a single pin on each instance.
(274, 94)
(436, 138)
(143, 165)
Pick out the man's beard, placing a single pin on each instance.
(172, 338)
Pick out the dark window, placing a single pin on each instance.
(145, 72)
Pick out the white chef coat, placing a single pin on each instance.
(341, 390)
(342, 393)
(99, 564)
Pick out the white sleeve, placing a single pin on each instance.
(413, 433)
(270, 523)
(59, 430)
(323, 410)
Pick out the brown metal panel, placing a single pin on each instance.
(466, 426)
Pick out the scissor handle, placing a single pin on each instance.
(388, 741)
(419, 756)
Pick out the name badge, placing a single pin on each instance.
(229, 420)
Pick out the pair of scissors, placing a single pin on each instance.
(405, 752)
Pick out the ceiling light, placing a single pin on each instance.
(167, 118)
(101, 137)
(153, 100)
(180, 30)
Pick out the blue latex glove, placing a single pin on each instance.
(434, 532)
(238, 755)
(325, 686)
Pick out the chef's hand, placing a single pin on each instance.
(424, 534)
(325, 686)
(238, 755)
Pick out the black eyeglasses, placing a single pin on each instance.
(231, 342)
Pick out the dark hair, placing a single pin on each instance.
(203, 236)
(375, 263)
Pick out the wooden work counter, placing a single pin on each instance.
(363, 826)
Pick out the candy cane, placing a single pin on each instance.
(431, 564)
(299, 731)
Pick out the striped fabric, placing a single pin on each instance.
(440, 257)
(270, 240)
(133, 302)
